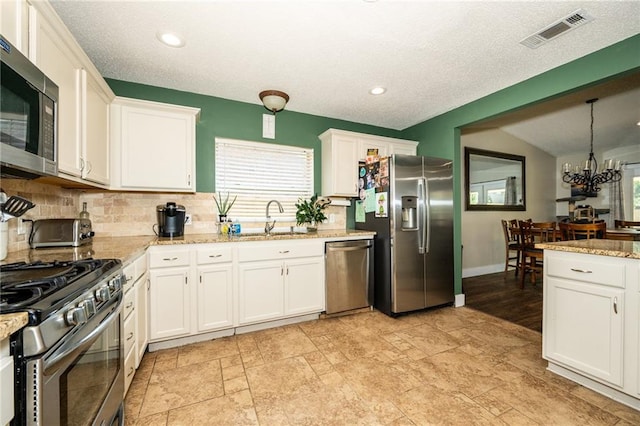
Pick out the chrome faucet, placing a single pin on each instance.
(269, 226)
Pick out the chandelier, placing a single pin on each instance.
(586, 173)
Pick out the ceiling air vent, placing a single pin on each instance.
(561, 26)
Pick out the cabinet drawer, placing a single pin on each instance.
(129, 333)
(129, 369)
(129, 303)
(168, 258)
(592, 269)
(214, 254)
(266, 251)
(129, 272)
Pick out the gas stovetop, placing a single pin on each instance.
(42, 288)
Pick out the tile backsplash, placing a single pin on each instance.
(115, 213)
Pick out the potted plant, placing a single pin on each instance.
(224, 205)
(310, 212)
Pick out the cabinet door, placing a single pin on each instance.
(170, 301)
(340, 166)
(261, 291)
(61, 66)
(168, 138)
(369, 143)
(584, 327)
(401, 148)
(304, 286)
(142, 316)
(95, 131)
(14, 23)
(215, 297)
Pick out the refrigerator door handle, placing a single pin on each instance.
(427, 213)
(423, 243)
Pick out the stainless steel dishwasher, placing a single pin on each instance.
(348, 275)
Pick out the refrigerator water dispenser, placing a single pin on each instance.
(409, 212)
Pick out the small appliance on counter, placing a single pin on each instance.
(60, 233)
(171, 217)
(10, 208)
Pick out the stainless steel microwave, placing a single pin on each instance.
(28, 112)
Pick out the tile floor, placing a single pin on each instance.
(447, 366)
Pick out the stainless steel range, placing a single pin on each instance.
(69, 358)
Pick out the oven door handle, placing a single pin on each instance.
(71, 348)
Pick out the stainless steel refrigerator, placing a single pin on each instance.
(413, 219)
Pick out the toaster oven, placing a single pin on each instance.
(60, 233)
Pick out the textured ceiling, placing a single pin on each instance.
(432, 56)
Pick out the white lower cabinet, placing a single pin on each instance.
(261, 291)
(170, 302)
(6, 383)
(134, 313)
(587, 333)
(201, 290)
(142, 316)
(590, 322)
(280, 279)
(304, 289)
(215, 287)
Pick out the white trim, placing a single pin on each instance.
(460, 300)
(482, 270)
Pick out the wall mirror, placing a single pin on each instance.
(493, 180)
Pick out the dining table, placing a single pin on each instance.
(633, 233)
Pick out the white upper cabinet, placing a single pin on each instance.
(153, 146)
(95, 130)
(341, 152)
(14, 23)
(84, 98)
(339, 162)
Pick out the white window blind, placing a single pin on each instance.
(259, 172)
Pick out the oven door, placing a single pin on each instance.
(81, 381)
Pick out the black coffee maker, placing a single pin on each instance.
(170, 220)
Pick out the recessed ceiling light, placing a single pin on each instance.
(377, 90)
(171, 39)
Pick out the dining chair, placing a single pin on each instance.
(586, 231)
(531, 257)
(545, 232)
(511, 244)
(626, 224)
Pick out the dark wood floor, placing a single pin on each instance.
(500, 295)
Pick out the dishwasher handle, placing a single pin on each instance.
(348, 245)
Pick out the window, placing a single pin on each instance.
(631, 189)
(259, 172)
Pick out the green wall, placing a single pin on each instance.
(239, 120)
(440, 136)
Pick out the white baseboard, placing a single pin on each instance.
(482, 270)
(459, 300)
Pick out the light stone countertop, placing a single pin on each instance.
(614, 248)
(128, 248)
(10, 323)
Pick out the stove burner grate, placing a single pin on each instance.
(24, 284)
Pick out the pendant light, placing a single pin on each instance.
(586, 174)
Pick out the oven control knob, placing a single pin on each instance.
(115, 284)
(103, 294)
(89, 306)
(76, 316)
